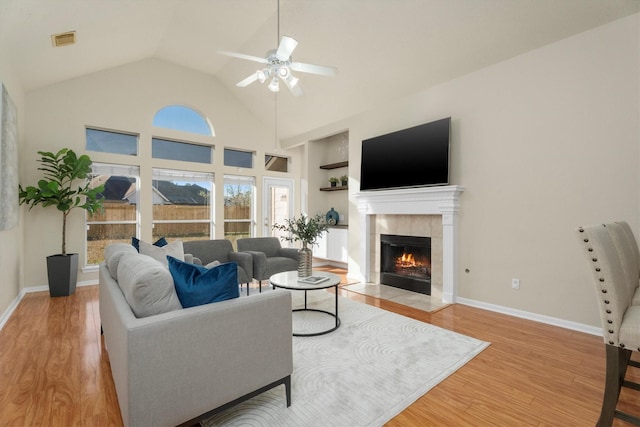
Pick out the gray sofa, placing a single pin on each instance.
(269, 257)
(173, 367)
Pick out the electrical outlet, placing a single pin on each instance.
(515, 283)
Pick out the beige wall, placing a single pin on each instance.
(126, 99)
(11, 258)
(542, 143)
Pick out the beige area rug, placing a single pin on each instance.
(363, 374)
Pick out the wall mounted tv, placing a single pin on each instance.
(414, 157)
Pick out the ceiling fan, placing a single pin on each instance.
(279, 66)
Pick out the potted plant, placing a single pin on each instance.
(60, 172)
(307, 230)
(333, 180)
(344, 180)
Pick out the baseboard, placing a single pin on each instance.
(554, 321)
(12, 307)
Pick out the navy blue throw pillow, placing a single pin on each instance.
(160, 242)
(198, 285)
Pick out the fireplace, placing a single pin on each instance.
(405, 262)
(441, 201)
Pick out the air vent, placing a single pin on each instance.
(63, 39)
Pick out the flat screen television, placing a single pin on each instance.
(413, 157)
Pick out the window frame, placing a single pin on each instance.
(131, 171)
(185, 176)
(242, 180)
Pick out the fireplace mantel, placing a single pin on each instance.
(444, 200)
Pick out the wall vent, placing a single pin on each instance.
(63, 39)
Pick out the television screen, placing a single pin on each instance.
(414, 157)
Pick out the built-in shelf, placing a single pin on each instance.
(336, 188)
(335, 165)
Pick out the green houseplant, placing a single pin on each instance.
(333, 181)
(57, 188)
(344, 180)
(307, 230)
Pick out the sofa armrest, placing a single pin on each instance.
(203, 356)
(259, 260)
(289, 253)
(244, 260)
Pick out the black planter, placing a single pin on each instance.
(63, 274)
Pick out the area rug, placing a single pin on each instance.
(363, 374)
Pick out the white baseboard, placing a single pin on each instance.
(554, 321)
(12, 307)
(9, 311)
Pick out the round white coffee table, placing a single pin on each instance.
(290, 280)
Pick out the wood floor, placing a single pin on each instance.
(54, 370)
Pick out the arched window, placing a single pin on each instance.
(179, 117)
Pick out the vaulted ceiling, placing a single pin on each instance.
(384, 49)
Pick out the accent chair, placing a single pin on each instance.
(269, 257)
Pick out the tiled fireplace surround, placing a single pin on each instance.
(423, 212)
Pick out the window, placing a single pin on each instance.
(104, 141)
(119, 221)
(239, 202)
(182, 208)
(237, 158)
(179, 117)
(276, 163)
(173, 150)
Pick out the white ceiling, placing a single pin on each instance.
(384, 49)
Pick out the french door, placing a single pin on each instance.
(277, 204)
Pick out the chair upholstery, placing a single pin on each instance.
(613, 259)
(269, 257)
(221, 250)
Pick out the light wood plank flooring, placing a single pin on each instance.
(54, 370)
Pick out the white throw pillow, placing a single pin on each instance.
(174, 249)
(213, 264)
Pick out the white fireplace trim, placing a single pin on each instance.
(443, 201)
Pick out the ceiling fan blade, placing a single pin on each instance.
(246, 82)
(322, 70)
(243, 56)
(292, 84)
(287, 45)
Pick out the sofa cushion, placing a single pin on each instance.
(147, 285)
(112, 255)
(135, 242)
(160, 254)
(198, 285)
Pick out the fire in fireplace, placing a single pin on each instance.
(405, 262)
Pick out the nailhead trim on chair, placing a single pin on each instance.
(601, 280)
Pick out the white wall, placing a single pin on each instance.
(126, 99)
(543, 143)
(11, 259)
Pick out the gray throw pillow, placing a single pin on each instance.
(147, 286)
(112, 255)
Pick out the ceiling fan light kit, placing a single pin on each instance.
(279, 66)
